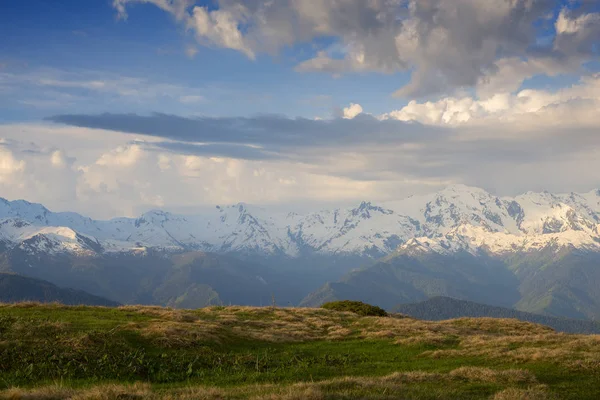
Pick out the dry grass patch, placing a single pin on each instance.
(346, 386)
(36, 304)
(163, 313)
(431, 339)
(399, 328)
(509, 376)
(180, 335)
(180, 327)
(572, 351)
(539, 392)
(337, 332)
(102, 392)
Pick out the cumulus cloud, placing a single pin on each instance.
(9, 165)
(164, 162)
(570, 106)
(122, 156)
(352, 111)
(59, 159)
(444, 44)
(123, 177)
(33, 172)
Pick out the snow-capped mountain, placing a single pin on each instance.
(34, 239)
(457, 218)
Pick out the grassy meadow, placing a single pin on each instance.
(137, 352)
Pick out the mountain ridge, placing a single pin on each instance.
(466, 217)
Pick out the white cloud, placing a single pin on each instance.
(58, 159)
(9, 166)
(122, 156)
(445, 111)
(27, 172)
(536, 108)
(164, 162)
(220, 27)
(567, 25)
(510, 73)
(352, 111)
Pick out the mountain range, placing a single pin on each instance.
(537, 252)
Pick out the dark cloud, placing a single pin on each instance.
(443, 44)
(260, 137)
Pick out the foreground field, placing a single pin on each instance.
(60, 352)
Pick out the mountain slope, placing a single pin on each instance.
(558, 282)
(186, 279)
(554, 281)
(15, 288)
(200, 279)
(404, 278)
(443, 308)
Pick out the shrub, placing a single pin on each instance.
(357, 307)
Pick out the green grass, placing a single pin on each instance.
(85, 346)
(80, 318)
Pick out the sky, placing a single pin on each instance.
(114, 107)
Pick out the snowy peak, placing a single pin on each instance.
(24, 210)
(457, 205)
(36, 239)
(477, 240)
(457, 218)
(365, 209)
(548, 213)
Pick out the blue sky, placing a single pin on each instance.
(112, 107)
(86, 37)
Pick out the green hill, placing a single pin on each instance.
(15, 288)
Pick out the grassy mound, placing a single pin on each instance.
(357, 307)
(60, 352)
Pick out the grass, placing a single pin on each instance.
(357, 307)
(58, 352)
